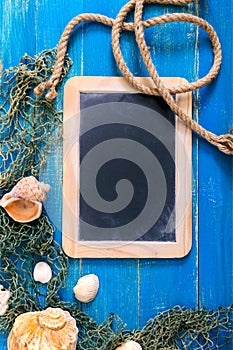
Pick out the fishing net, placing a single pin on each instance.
(27, 125)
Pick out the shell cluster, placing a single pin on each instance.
(42, 272)
(130, 345)
(4, 297)
(51, 329)
(86, 288)
(24, 202)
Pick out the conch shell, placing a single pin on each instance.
(4, 297)
(86, 288)
(51, 329)
(24, 202)
(130, 345)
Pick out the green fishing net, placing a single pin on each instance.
(28, 124)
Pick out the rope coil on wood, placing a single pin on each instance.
(223, 142)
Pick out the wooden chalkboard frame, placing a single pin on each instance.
(70, 223)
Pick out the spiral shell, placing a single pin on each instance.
(86, 288)
(30, 189)
(24, 202)
(130, 345)
(42, 272)
(51, 329)
(4, 297)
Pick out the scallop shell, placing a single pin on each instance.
(86, 288)
(4, 297)
(42, 272)
(24, 202)
(130, 345)
(51, 329)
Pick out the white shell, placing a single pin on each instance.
(4, 297)
(42, 272)
(130, 345)
(86, 288)
(24, 202)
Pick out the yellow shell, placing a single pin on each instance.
(86, 288)
(51, 329)
(24, 202)
(130, 345)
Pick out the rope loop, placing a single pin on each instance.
(223, 142)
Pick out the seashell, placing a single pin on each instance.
(86, 288)
(51, 329)
(24, 202)
(42, 272)
(22, 210)
(30, 189)
(130, 345)
(4, 297)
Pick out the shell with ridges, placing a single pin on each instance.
(130, 345)
(86, 288)
(4, 297)
(30, 189)
(42, 272)
(24, 202)
(52, 329)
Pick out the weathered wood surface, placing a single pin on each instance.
(138, 289)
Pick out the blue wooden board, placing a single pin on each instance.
(215, 170)
(138, 289)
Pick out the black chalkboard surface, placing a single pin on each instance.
(127, 172)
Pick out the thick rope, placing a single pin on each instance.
(223, 142)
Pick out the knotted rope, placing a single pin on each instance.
(223, 142)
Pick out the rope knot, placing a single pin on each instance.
(225, 143)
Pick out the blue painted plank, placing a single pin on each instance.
(17, 23)
(118, 292)
(118, 278)
(169, 282)
(49, 27)
(215, 172)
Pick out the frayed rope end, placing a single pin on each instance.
(42, 87)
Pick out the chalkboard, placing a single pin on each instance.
(127, 171)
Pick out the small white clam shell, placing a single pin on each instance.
(4, 297)
(42, 272)
(130, 345)
(86, 288)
